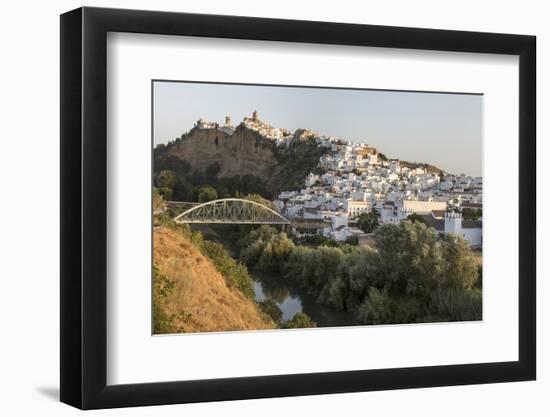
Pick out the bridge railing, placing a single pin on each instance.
(231, 211)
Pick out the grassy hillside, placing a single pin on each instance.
(190, 294)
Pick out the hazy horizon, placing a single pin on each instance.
(442, 129)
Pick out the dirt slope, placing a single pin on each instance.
(201, 301)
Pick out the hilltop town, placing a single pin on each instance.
(355, 178)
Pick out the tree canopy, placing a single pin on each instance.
(368, 222)
(206, 194)
(412, 274)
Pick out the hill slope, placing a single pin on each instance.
(200, 299)
(243, 161)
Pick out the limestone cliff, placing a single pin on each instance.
(240, 153)
(213, 154)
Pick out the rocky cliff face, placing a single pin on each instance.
(237, 160)
(244, 152)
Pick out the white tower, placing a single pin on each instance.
(453, 223)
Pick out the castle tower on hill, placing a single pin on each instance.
(255, 116)
(228, 121)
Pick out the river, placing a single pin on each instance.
(289, 297)
(292, 300)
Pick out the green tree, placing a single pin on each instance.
(410, 257)
(471, 214)
(358, 271)
(459, 267)
(368, 222)
(166, 181)
(257, 198)
(266, 248)
(206, 194)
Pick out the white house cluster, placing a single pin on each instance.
(357, 179)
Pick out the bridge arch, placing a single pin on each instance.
(231, 211)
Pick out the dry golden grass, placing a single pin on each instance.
(201, 300)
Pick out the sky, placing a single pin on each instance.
(441, 129)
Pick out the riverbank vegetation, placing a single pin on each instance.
(198, 286)
(408, 275)
(411, 274)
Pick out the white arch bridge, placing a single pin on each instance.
(231, 211)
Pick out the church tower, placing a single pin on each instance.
(453, 223)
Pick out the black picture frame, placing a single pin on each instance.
(84, 207)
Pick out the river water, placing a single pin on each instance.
(289, 297)
(292, 300)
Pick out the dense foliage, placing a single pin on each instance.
(294, 163)
(290, 167)
(187, 184)
(368, 222)
(166, 181)
(266, 248)
(299, 321)
(412, 274)
(471, 213)
(206, 194)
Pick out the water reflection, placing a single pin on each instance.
(292, 300)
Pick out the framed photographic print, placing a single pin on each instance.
(256, 208)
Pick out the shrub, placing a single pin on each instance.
(299, 321)
(235, 273)
(266, 248)
(381, 308)
(271, 308)
(455, 304)
(315, 241)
